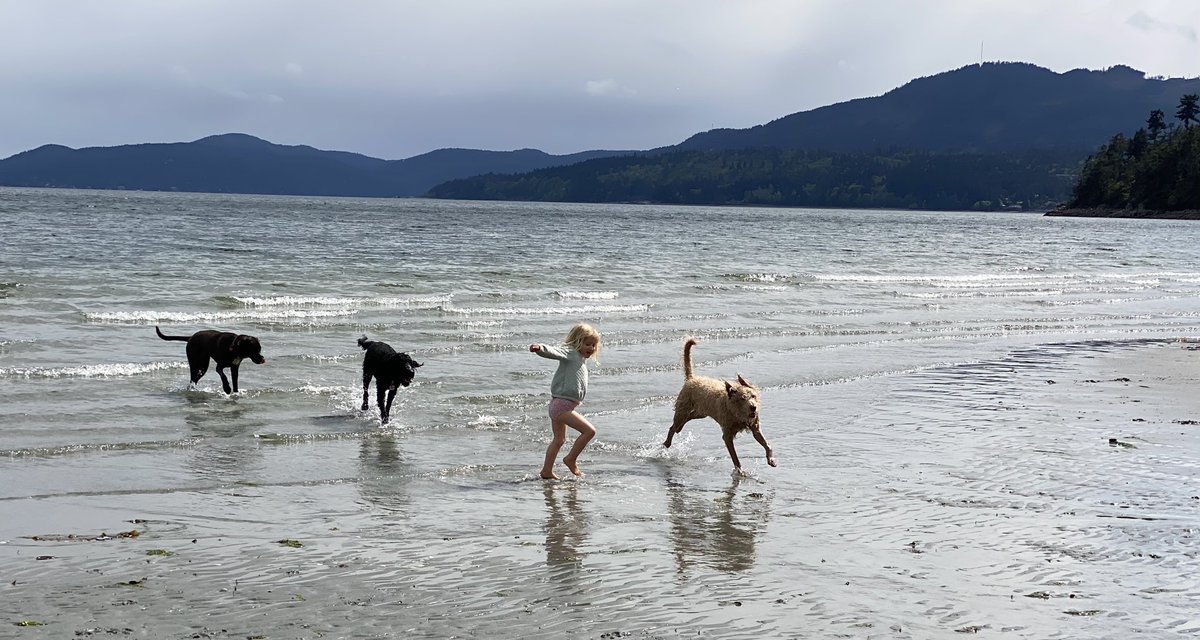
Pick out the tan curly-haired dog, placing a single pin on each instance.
(733, 406)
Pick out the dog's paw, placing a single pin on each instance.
(771, 461)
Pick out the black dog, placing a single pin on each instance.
(389, 370)
(225, 348)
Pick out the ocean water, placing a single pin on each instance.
(863, 329)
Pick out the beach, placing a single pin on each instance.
(1048, 495)
(984, 424)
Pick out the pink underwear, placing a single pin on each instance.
(559, 406)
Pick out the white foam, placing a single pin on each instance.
(485, 422)
(151, 317)
(339, 301)
(762, 287)
(762, 277)
(588, 295)
(549, 311)
(480, 324)
(92, 370)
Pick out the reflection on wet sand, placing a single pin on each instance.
(715, 528)
(383, 473)
(566, 526)
(220, 425)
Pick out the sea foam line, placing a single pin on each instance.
(588, 295)
(92, 370)
(340, 301)
(548, 311)
(149, 317)
(979, 279)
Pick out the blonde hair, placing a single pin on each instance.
(580, 334)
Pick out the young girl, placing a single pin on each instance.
(567, 390)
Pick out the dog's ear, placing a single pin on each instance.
(415, 363)
(729, 390)
(742, 381)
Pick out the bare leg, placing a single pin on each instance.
(556, 443)
(576, 421)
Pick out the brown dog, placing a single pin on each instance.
(733, 406)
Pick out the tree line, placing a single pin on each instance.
(894, 179)
(1156, 169)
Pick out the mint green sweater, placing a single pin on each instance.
(571, 379)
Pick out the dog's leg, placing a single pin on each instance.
(380, 390)
(224, 380)
(681, 418)
(197, 373)
(766, 447)
(387, 410)
(728, 437)
(197, 364)
(233, 370)
(381, 399)
(366, 387)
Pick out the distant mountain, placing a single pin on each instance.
(417, 175)
(991, 136)
(239, 163)
(990, 108)
(979, 110)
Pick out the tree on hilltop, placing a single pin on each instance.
(1188, 109)
(1156, 124)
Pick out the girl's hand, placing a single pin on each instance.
(533, 348)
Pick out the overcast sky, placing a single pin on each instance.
(393, 79)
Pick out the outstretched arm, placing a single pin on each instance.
(547, 351)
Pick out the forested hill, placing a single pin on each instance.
(239, 163)
(1153, 174)
(789, 177)
(988, 108)
(991, 136)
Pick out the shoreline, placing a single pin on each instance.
(1040, 497)
(1188, 214)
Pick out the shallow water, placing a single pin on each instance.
(931, 477)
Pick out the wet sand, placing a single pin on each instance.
(1052, 494)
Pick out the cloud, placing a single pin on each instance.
(605, 88)
(1141, 20)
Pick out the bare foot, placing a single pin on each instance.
(573, 467)
(552, 476)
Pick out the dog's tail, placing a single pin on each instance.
(687, 357)
(165, 337)
(363, 342)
